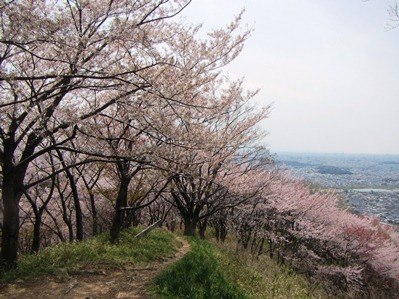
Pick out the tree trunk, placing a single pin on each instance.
(36, 225)
(65, 216)
(70, 230)
(38, 217)
(75, 195)
(223, 232)
(36, 232)
(94, 214)
(190, 225)
(121, 202)
(11, 197)
(202, 228)
(188, 211)
(78, 208)
(12, 190)
(132, 218)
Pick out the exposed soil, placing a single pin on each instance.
(130, 282)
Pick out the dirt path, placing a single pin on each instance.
(106, 284)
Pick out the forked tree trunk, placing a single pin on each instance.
(121, 202)
(66, 217)
(38, 217)
(190, 225)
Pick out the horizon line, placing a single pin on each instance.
(331, 152)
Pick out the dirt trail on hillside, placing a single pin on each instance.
(92, 284)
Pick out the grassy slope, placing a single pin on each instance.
(218, 271)
(95, 252)
(261, 277)
(207, 271)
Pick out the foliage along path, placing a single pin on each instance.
(121, 284)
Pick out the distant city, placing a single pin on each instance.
(369, 184)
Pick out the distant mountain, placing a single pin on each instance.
(332, 170)
(295, 164)
(390, 163)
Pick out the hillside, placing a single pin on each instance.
(97, 269)
(94, 268)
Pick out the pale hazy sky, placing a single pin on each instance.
(330, 68)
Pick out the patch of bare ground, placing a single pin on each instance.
(129, 282)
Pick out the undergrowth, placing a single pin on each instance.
(95, 252)
(261, 277)
(197, 275)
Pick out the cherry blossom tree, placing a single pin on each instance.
(307, 229)
(211, 147)
(182, 112)
(63, 62)
(161, 88)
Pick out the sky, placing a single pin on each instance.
(330, 69)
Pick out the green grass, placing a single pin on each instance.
(261, 277)
(197, 275)
(95, 252)
(208, 270)
(212, 270)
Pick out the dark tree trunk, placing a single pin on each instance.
(9, 239)
(36, 225)
(172, 225)
(190, 225)
(121, 202)
(188, 211)
(202, 225)
(223, 232)
(78, 208)
(76, 201)
(11, 194)
(65, 216)
(36, 232)
(271, 249)
(70, 230)
(38, 216)
(220, 229)
(132, 218)
(94, 214)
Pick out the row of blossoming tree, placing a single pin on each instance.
(115, 113)
(108, 107)
(355, 256)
